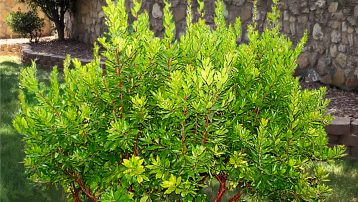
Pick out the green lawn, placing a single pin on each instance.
(15, 187)
(344, 180)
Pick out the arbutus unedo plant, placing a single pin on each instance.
(166, 117)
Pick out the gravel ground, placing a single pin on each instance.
(342, 103)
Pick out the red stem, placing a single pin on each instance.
(182, 137)
(86, 190)
(196, 125)
(235, 198)
(118, 71)
(222, 189)
(206, 129)
(169, 61)
(75, 194)
(183, 128)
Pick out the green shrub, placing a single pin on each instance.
(26, 24)
(167, 116)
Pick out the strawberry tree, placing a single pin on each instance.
(167, 116)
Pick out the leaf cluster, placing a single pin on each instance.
(27, 24)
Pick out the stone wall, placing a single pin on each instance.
(86, 22)
(7, 6)
(330, 55)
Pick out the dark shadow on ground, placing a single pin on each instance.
(14, 186)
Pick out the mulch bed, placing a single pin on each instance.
(343, 103)
(74, 48)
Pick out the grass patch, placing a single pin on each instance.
(344, 180)
(14, 185)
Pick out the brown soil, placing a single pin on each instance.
(74, 48)
(342, 103)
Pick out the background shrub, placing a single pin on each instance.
(27, 24)
(168, 116)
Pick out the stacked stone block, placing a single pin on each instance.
(344, 131)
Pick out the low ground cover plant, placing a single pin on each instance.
(27, 24)
(167, 116)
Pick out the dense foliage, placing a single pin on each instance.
(27, 24)
(55, 10)
(167, 116)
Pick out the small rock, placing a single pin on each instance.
(333, 50)
(334, 24)
(303, 19)
(352, 83)
(156, 12)
(303, 61)
(333, 6)
(320, 3)
(352, 21)
(238, 2)
(312, 76)
(338, 15)
(305, 10)
(342, 60)
(286, 16)
(293, 28)
(101, 14)
(336, 36)
(323, 65)
(338, 78)
(350, 30)
(342, 48)
(350, 39)
(344, 27)
(317, 32)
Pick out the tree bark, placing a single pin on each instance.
(76, 194)
(60, 28)
(235, 198)
(222, 189)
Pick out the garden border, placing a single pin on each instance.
(342, 131)
(46, 60)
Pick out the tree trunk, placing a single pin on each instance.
(60, 28)
(222, 189)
